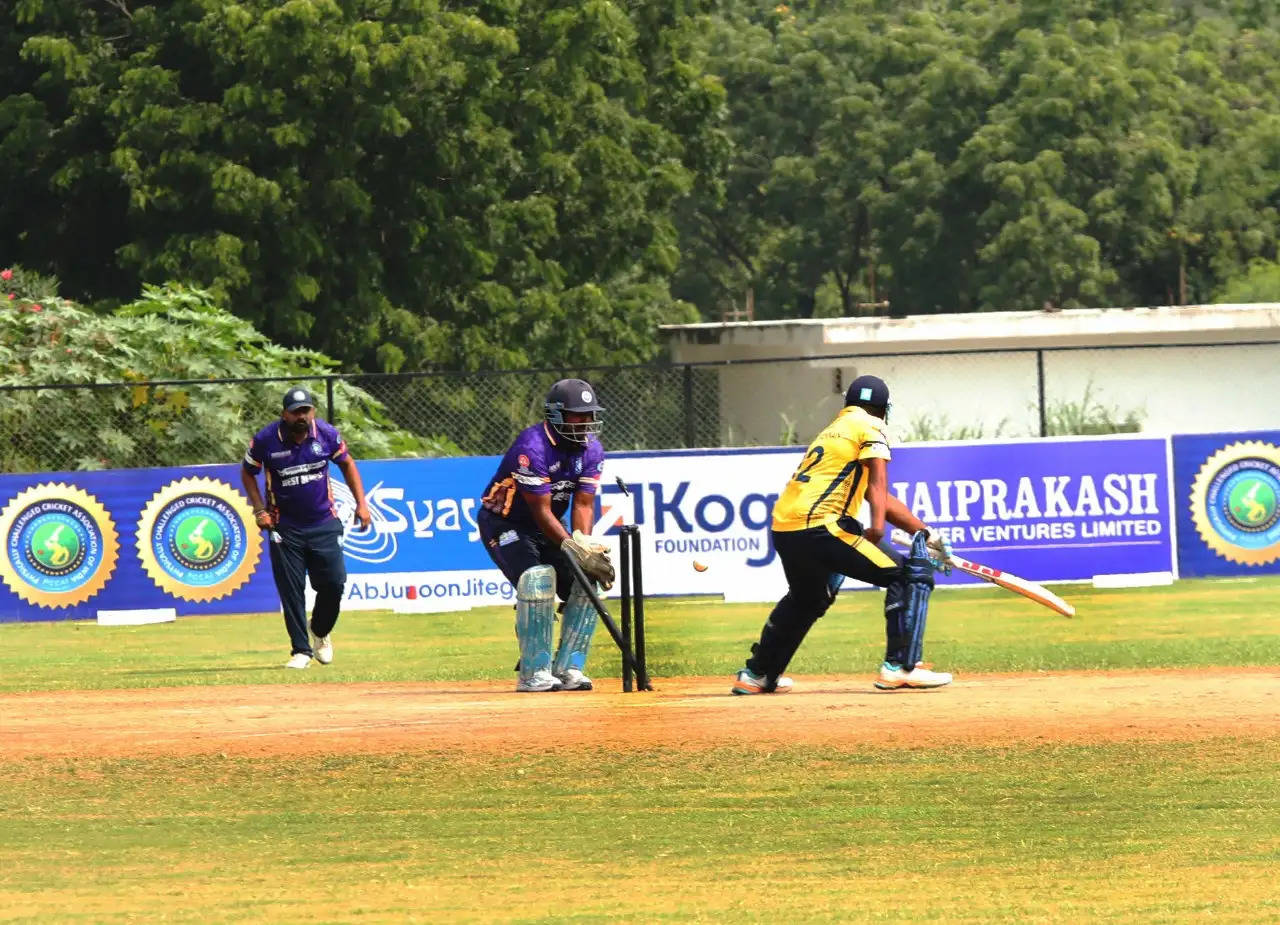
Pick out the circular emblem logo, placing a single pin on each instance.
(197, 540)
(523, 460)
(316, 448)
(60, 545)
(1235, 503)
(586, 396)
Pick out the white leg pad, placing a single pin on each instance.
(535, 616)
(578, 625)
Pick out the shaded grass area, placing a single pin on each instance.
(1190, 624)
(1158, 833)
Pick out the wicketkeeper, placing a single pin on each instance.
(549, 466)
(819, 542)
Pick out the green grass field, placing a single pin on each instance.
(1150, 831)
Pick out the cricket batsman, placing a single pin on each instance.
(820, 541)
(550, 467)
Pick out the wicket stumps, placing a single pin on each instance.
(631, 573)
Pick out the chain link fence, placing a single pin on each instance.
(937, 396)
(54, 428)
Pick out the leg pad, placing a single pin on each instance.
(535, 616)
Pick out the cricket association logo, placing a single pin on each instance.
(60, 545)
(196, 539)
(1235, 502)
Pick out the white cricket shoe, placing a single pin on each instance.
(322, 647)
(571, 679)
(748, 682)
(894, 678)
(538, 682)
(298, 660)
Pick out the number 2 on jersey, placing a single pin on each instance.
(815, 453)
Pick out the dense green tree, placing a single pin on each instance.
(982, 155)
(398, 182)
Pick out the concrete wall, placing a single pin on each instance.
(1183, 369)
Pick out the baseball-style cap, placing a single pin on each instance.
(867, 390)
(298, 398)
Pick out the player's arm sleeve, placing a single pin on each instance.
(592, 470)
(339, 445)
(874, 445)
(253, 457)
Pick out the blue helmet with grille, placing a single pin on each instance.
(573, 396)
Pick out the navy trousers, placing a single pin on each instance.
(314, 551)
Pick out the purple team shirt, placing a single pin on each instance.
(541, 464)
(298, 489)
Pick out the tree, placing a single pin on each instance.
(986, 156)
(398, 183)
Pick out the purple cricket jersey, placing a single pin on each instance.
(298, 490)
(542, 464)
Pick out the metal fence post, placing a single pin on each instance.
(328, 395)
(1044, 427)
(690, 419)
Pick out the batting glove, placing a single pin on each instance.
(941, 551)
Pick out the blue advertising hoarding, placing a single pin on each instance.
(128, 539)
(1227, 490)
(1049, 510)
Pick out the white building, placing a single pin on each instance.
(1164, 370)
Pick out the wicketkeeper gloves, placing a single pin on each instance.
(593, 557)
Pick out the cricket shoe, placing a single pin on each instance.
(748, 682)
(322, 647)
(894, 678)
(298, 660)
(538, 682)
(571, 679)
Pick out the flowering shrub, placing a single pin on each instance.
(19, 285)
(171, 333)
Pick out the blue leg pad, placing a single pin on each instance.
(906, 607)
(577, 626)
(535, 617)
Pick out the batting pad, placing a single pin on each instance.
(576, 629)
(535, 615)
(907, 607)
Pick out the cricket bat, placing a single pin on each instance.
(1027, 588)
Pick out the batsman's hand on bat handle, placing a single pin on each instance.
(592, 556)
(264, 519)
(940, 546)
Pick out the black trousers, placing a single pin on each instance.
(813, 560)
(515, 550)
(314, 551)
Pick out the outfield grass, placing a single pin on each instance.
(1190, 624)
(1123, 833)
(1134, 831)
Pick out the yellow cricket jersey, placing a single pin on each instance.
(832, 478)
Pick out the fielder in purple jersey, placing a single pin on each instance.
(550, 468)
(298, 511)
